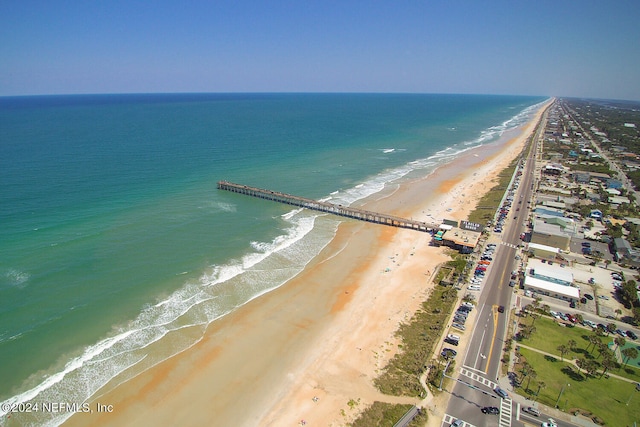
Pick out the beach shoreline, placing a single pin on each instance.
(305, 349)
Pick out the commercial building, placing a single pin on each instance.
(551, 281)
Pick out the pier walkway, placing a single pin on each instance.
(331, 208)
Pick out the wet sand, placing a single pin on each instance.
(302, 351)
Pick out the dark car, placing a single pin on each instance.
(448, 352)
(589, 297)
(492, 410)
(451, 341)
(583, 300)
(632, 335)
(501, 309)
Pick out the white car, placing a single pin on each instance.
(453, 337)
(474, 288)
(468, 304)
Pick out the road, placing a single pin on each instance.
(480, 368)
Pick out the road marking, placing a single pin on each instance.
(505, 412)
(494, 309)
(511, 245)
(478, 378)
(448, 419)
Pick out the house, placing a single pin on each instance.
(596, 214)
(618, 200)
(624, 253)
(613, 183)
(582, 177)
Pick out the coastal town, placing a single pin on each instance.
(565, 304)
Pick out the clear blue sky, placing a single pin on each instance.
(563, 48)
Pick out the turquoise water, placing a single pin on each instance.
(114, 239)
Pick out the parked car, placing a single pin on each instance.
(474, 288)
(632, 335)
(457, 423)
(458, 326)
(468, 304)
(448, 352)
(589, 297)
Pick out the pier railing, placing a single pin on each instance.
(345, 211)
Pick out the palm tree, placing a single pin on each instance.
(619, 341)
(593, 339)
(579, 318)
(532, 374)
(611, 328)
(607, 363)
(541, 385)
(602, 347)
(618, 313)
(572, 345)
(629, 353)
(563, 349)
(525, 370)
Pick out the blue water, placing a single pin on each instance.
(116, 249)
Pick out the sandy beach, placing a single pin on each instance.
(304, 350)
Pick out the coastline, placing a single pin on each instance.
(323, 334)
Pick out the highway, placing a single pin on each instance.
(479, 369)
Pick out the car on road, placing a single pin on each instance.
(549, 423)
(531, 410)
(500, 392)
(491, 410)
(501, 309)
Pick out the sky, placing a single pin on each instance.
(584, 48)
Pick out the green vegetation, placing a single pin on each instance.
(549, 337)
(386, 414)
(490, 202)
(581, 362)
(401, 376)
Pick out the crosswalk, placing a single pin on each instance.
(478, 378)
(448, 419)
(510, 245)
(506, 406)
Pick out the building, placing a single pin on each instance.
(551, 281)
(624, 253)
(460, 239)
(552, 235)
(544, 252)
(613, 183)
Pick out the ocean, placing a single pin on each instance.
(116, 249)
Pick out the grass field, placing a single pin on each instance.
(604, 398)
(549, 335)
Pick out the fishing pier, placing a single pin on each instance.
(331, 208)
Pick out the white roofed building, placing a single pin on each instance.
(550, 280)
